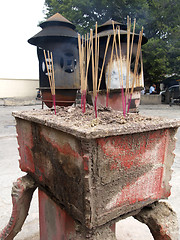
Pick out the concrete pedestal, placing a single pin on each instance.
(97, 175)
(56, 224)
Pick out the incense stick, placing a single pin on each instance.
(122, 89)
(132, 42)
(117, 59)
(53, 84)
(107, 45)
(96, 64)
(83, 68)
(137, 59)
(127, 63)
(109, 72)
(50, 71)
(135, 67)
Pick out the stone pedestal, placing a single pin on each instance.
(97, 175)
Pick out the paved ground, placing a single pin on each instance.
(129, 229)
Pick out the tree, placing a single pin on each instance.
(83, 14)
(161, 21)
(156, 62)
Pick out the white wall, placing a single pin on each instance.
(18, 88)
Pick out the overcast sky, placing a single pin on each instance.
(18, 23)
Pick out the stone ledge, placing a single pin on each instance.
(150, 99)
(19, 101)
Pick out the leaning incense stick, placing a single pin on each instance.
(137, 59)
(91, 34)
(135, 67)
(127, 63)
(117, 59)
(47, 67)
(122, 89)
(50, 71)
(109, 72)
(53, 84)
(96, 64)
(132, 42)
(83, 68)
(105, 53)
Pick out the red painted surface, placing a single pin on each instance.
(148, 186)
(63, 148)
(144, 153)
(113, 228)
(86, 162)
(55, 223)
(25, 141)
(128, 150)
(114, 100)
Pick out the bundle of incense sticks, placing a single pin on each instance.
(116, 32)
(50, 71)
(85, 48)
(89, 48)
(135, 82)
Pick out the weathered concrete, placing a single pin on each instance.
(161, 220)
(98, 179)
(127, 229)
(55, 223)
(150, 99)
(22, 192)
(19, 101)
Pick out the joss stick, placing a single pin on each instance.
(88, 49)
(96, 64)
(53, 84)
(83, 60)
(136, 66)
(82, 70)
(107, 45)
(127, 63)
(96, 61)
(122, 89)
(109, 72)
(117, 59)
(50, 71)
(80, 57)
(132, 42)
(142, 84)
(91, 36)
(137, 59)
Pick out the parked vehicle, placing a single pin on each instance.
(171, 94)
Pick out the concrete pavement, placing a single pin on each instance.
(128, 229)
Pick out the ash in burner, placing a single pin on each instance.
(106, 116)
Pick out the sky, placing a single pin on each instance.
(18, 23)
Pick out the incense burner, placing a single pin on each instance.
(97, 173)
(58, 35)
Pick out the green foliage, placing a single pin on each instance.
(156, 63)
(161, 21)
